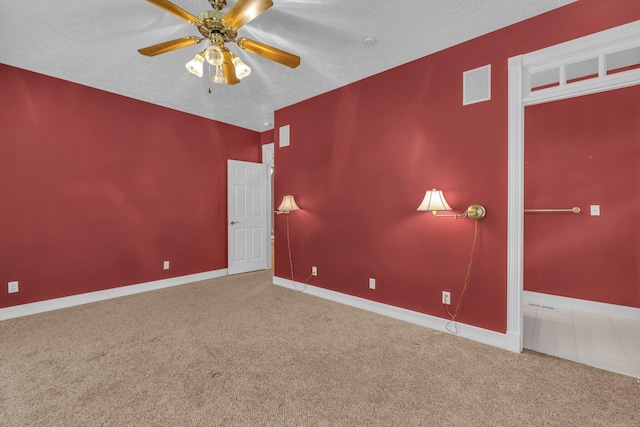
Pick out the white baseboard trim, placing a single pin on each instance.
(473, 333)
(89, 297)
(537, 299)
(514, 342)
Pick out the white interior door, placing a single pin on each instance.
(247, 216)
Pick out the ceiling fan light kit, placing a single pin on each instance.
(213, 55)
(219, 29)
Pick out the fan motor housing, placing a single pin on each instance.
(213, 21)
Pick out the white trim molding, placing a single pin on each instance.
(515, 207)
(268, 158)
(597, 45)
(89, 297)
(537, 299)
(473, 333)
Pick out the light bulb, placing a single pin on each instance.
(213, 55)
(195, 65)
(219, 76)
(242, 69)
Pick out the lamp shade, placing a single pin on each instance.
(242, 69)
(195, 65)
(213, 55)
(288, 204)
(218, 77)
(434, 201)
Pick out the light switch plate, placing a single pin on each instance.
(13, 287)
(595, 210)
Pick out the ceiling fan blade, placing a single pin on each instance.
(229, 69)
(159, 48)
(245, 10)
(177, 11)
(269, 52)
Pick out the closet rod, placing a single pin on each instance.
(574, 210)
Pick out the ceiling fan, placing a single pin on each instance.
(220, 28)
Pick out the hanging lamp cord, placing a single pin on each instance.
(452, 324)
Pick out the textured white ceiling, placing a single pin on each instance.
(95, 44)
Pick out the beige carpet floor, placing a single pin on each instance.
(239, 351)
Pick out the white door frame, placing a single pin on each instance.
(521, 69)
(268, 158)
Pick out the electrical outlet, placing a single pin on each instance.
(13, 287)
(166, 265)
(314, 271)
(372, 283)
(446, 297)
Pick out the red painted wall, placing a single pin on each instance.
(266, 137)
(581, 152)
(362, 156)
(97, 190)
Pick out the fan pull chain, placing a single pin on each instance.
(209, 68)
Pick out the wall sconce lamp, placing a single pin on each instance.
(434, 201)
(288, 204)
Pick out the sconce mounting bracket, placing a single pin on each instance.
(476, 212)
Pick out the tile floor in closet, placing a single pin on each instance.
(597, 340)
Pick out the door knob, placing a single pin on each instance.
(234, 222)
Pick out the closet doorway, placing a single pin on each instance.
(601, 62)
(581, 239)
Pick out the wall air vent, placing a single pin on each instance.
(476, 85)
(283, 140)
